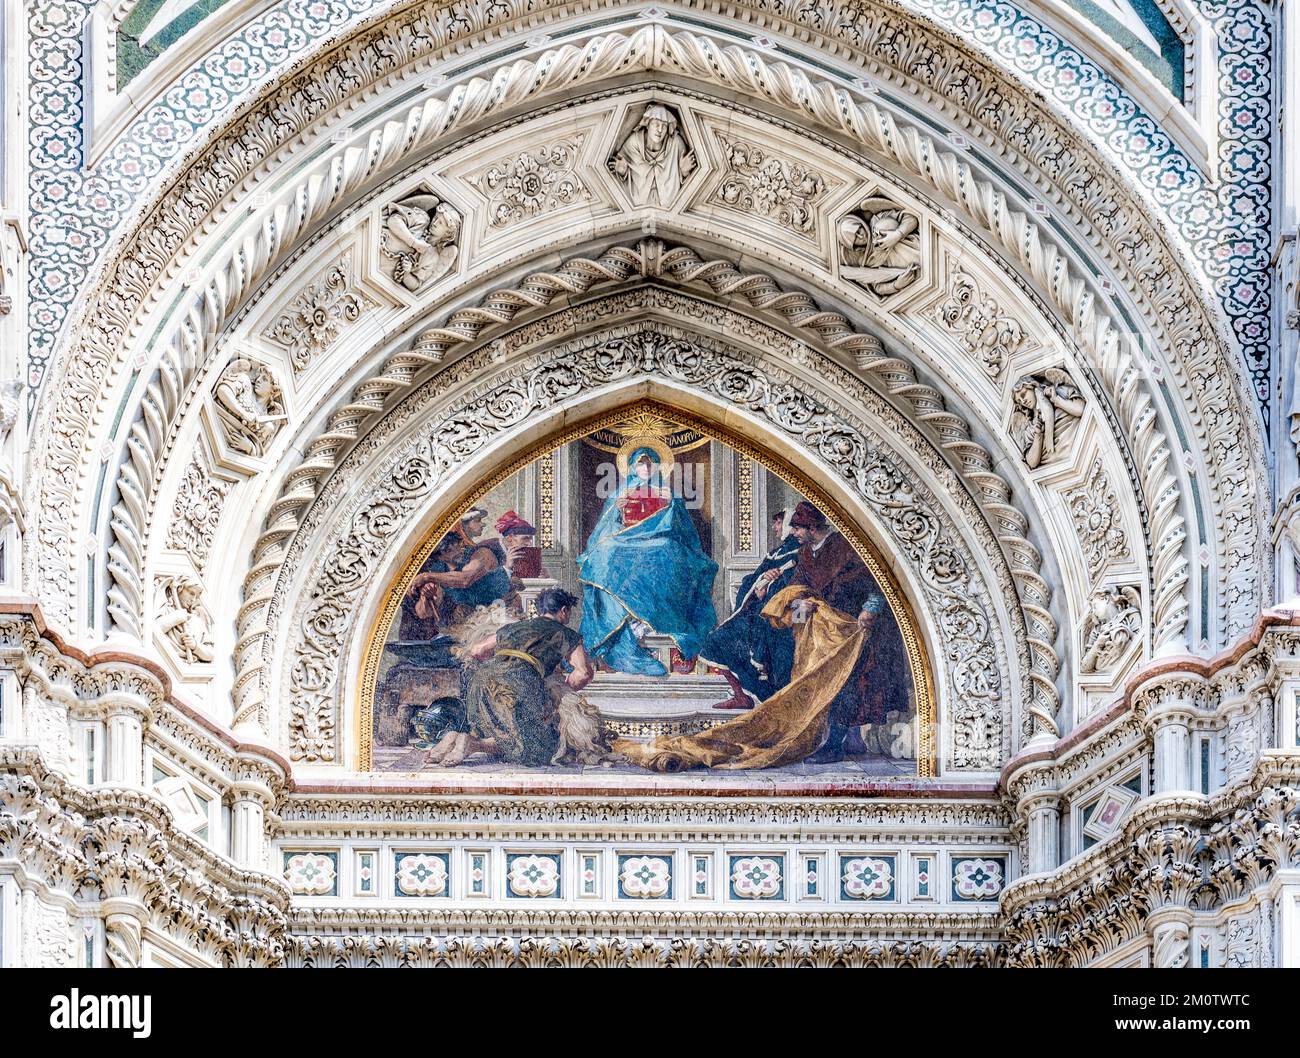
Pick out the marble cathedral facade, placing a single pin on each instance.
(1009, 289)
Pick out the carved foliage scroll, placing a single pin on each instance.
(916, 528)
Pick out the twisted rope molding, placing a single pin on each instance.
(651, 48)
(289, 219)
(577, 276)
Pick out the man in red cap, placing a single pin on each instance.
(832, 567)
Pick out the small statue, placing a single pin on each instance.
(419, 237)
(1113, 620)
(880, 247)
(1042, 406)
(184, 621)
(654, 160)
(250, 406)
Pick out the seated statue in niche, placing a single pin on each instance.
(644, 571)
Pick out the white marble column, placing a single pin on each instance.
(1043, 816)
(124, 763)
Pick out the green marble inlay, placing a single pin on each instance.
(1141, 29)
(142, 37)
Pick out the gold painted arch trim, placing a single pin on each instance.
(396, 589)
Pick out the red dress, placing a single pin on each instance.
(638, 504)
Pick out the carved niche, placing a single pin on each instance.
(248, 406)
(879, 246)
(183, 619)
(1045, 407)
(420, 240)
(654, 160)
(1113, 621)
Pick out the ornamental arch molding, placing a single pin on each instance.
(789, 324)
(1199, 362)
(411, 470)
(787, 308)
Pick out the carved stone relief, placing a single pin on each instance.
(1171, 946)
(918, 529)
(420, 240)
(1095, 510)
(249, 407)
(880, 246)
(10, 390)
(654, 159)
(533, 182)
(183, 618)
(980, 324)
(78, 449)
(1113, 621)
(1044, 408)
(317, 315)
(761, 184)
(197, 510)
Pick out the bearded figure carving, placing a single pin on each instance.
(1113, 621)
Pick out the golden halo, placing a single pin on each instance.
(657, 443)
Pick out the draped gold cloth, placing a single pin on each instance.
(791, 724)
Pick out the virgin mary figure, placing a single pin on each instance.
(644, 572)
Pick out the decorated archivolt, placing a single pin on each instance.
(680, 265)
(436, 438)
(1170, 615)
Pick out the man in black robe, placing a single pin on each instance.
(756, 658)
(831, 567)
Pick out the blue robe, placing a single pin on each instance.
(654, 571)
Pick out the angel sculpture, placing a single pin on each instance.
(880, 247)
(1038, 403)
(1113, 619)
